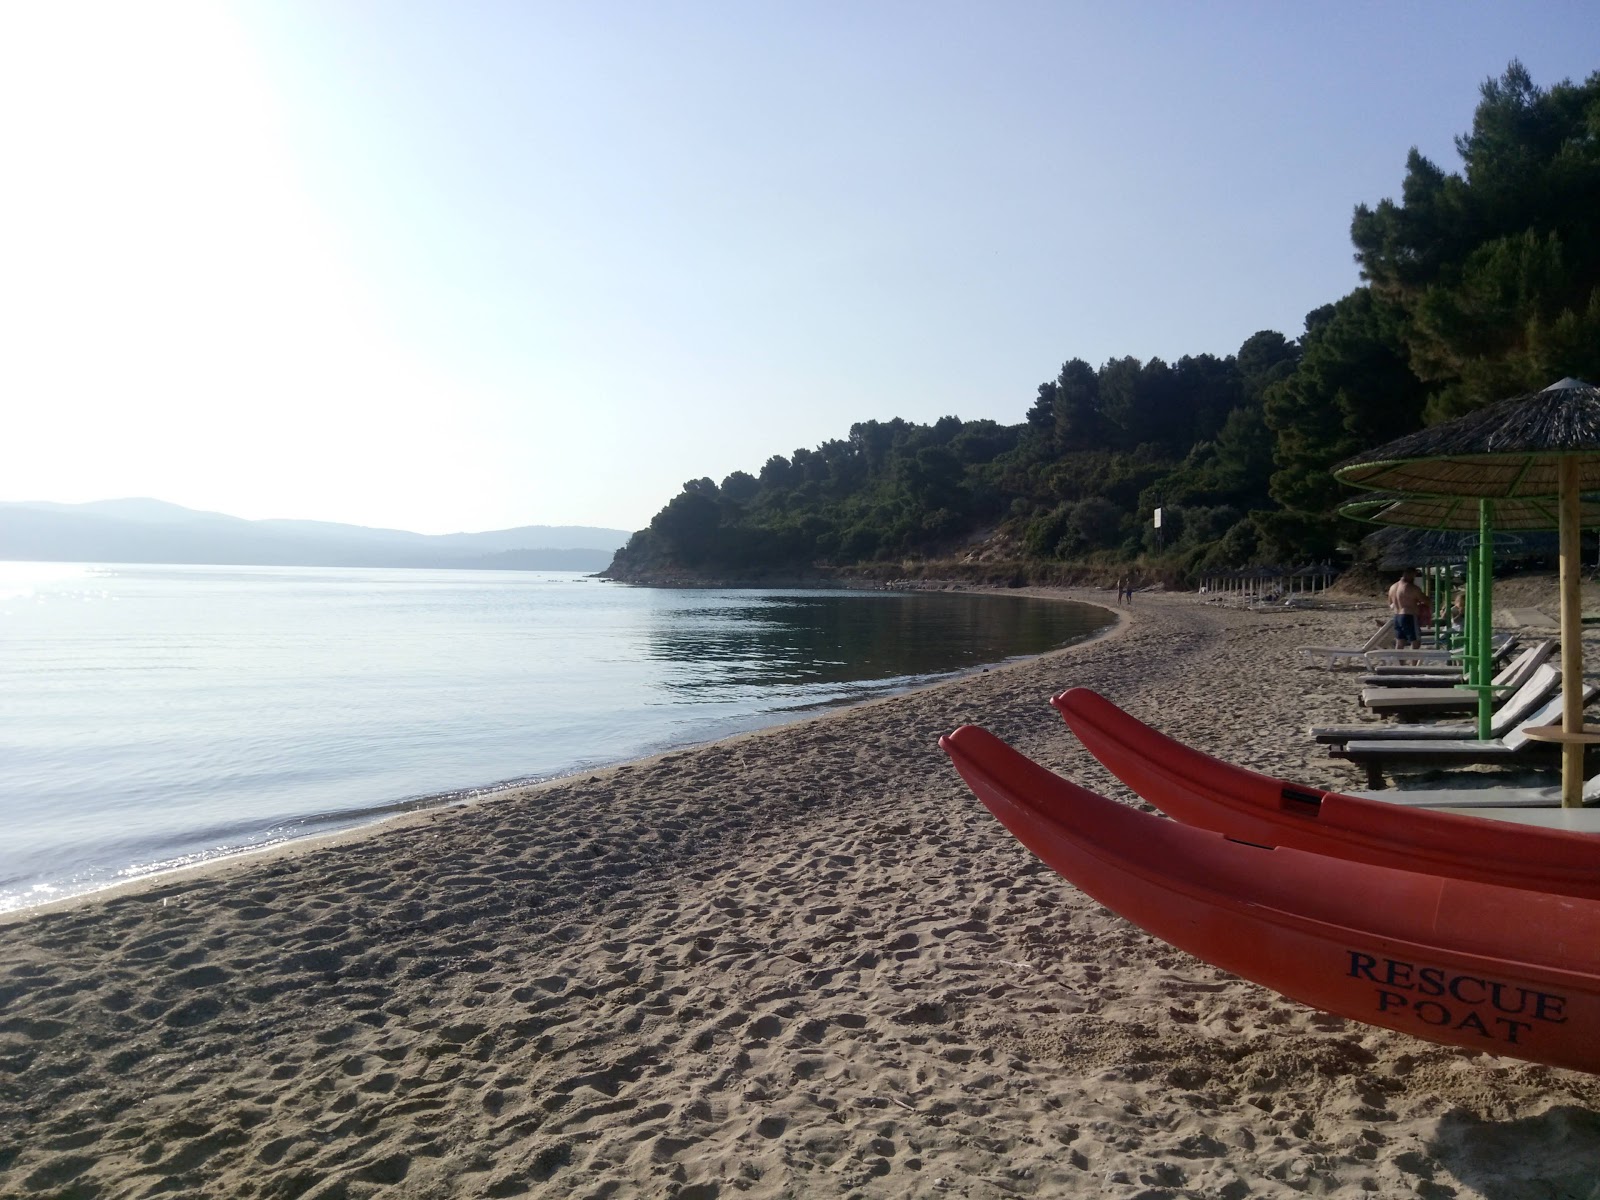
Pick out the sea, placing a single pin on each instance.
(156, 717)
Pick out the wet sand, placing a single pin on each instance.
(804, 962)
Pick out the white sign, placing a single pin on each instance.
(1158, 518)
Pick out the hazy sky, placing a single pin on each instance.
(455, 264)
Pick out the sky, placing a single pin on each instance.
(449, 265)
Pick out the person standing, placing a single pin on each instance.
(1405, 602)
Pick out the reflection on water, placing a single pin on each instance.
(161, 715)
(732, 644)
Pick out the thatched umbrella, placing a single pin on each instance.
(1460, 514)
(1404, 546)
(1453, 516)
(1530, 447)
(1412, 537)
(1395, 547)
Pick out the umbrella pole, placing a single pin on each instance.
(1571, 638)
(1441, 632)
(1484, 629)
(1469, 621)
(1449, 621)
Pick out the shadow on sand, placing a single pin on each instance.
(1555, 1154)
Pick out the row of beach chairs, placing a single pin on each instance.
(1382, 639)
(1528, 693)
(1380, 650)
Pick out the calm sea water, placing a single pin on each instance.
(153, 716)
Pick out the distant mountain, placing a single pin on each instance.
(151, 531)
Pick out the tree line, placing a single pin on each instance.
(1476, 285)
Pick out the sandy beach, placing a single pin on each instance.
(804, 962)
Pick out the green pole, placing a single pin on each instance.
(1430, 589)
(1485, 621)
(1440, 638)
(1477, 604)
(1444, 591)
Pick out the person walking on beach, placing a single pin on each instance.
(1405, 602)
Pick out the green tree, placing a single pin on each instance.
(1041, 416)
(687, 527)
(1265, 358)
(1076, 406)
(1498, 268)
(1093, 523)
(1211, 388)
(1351, 390)
(739, 488)
(1119, 403)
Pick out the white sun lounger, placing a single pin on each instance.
(1468, 800)
(1403, 701)
(1382, 636)
(1516, 748)
(1511, 712)
(1575, 820)
(1398, 661)
(1520, 805)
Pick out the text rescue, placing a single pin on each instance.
(1445, 1000)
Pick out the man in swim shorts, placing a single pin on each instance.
(1405, 602)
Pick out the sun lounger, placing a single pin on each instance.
(1418, 657)
(1411, 678)
(1530, 618)
(1409, 657)
(1521, 805)
(1471, 799)
(1440, 673)
(1575, 820)
(1382, 636)
(1510, 674)
(1535, 690)
(1379, 755)
(1409, 703)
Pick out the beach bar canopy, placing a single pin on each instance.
(1533, 447)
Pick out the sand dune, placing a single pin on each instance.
(803, 962)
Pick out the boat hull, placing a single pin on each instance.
(1204, 791)
(1467, 964)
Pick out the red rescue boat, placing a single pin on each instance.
(1201, 790)
(1491, 968)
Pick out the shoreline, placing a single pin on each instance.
(801, 961)
(426, 808)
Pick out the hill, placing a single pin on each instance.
(1478, 285)
(150, 531)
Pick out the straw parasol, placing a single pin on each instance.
(1458, 514)
(1392, 547)
(1528, 448)
(1455, 517)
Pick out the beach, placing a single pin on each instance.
(801, 962)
